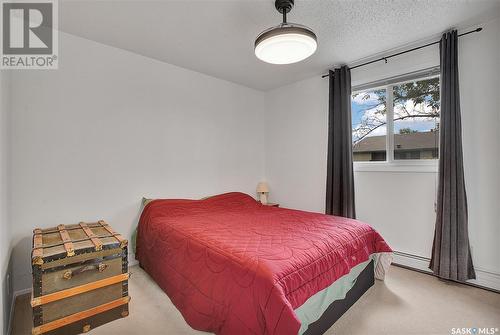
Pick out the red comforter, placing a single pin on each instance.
(234, 266)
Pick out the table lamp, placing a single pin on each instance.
(263, 190)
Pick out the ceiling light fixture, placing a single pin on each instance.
(286, 43)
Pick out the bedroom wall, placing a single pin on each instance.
(109, 127)
(5, 227)
(398, 203)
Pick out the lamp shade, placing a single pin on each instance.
(285, 44)
(262, 187)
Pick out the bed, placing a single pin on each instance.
(234, 266)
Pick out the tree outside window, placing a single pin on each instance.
(414, 112)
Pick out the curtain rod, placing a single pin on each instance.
(406, 51)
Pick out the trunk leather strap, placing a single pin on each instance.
(68, 245)
(37, 253)
(123, 242)
(93, 237)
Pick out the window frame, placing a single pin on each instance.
(391, 164)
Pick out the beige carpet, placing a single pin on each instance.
(407, 302)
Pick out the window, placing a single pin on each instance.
(406, 128)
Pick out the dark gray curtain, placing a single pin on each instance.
(340, 178)
(451, 258)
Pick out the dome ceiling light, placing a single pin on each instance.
(286, 43)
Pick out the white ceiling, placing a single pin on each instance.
(216, 37)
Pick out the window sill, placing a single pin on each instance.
(418, 166)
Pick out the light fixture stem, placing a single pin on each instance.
(284, 15)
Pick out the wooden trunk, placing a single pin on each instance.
(80, 278)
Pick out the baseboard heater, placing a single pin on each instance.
(485, 280)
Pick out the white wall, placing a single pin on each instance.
(108, 127)
(398, 204)
(479, 63)
(296, 141)
(5, 243)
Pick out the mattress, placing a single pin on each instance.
(231, 265)
(314, 307)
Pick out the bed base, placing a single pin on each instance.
(365, 280)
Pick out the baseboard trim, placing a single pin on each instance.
(412, 261)
(487, 280)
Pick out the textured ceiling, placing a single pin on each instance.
(216, 37)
